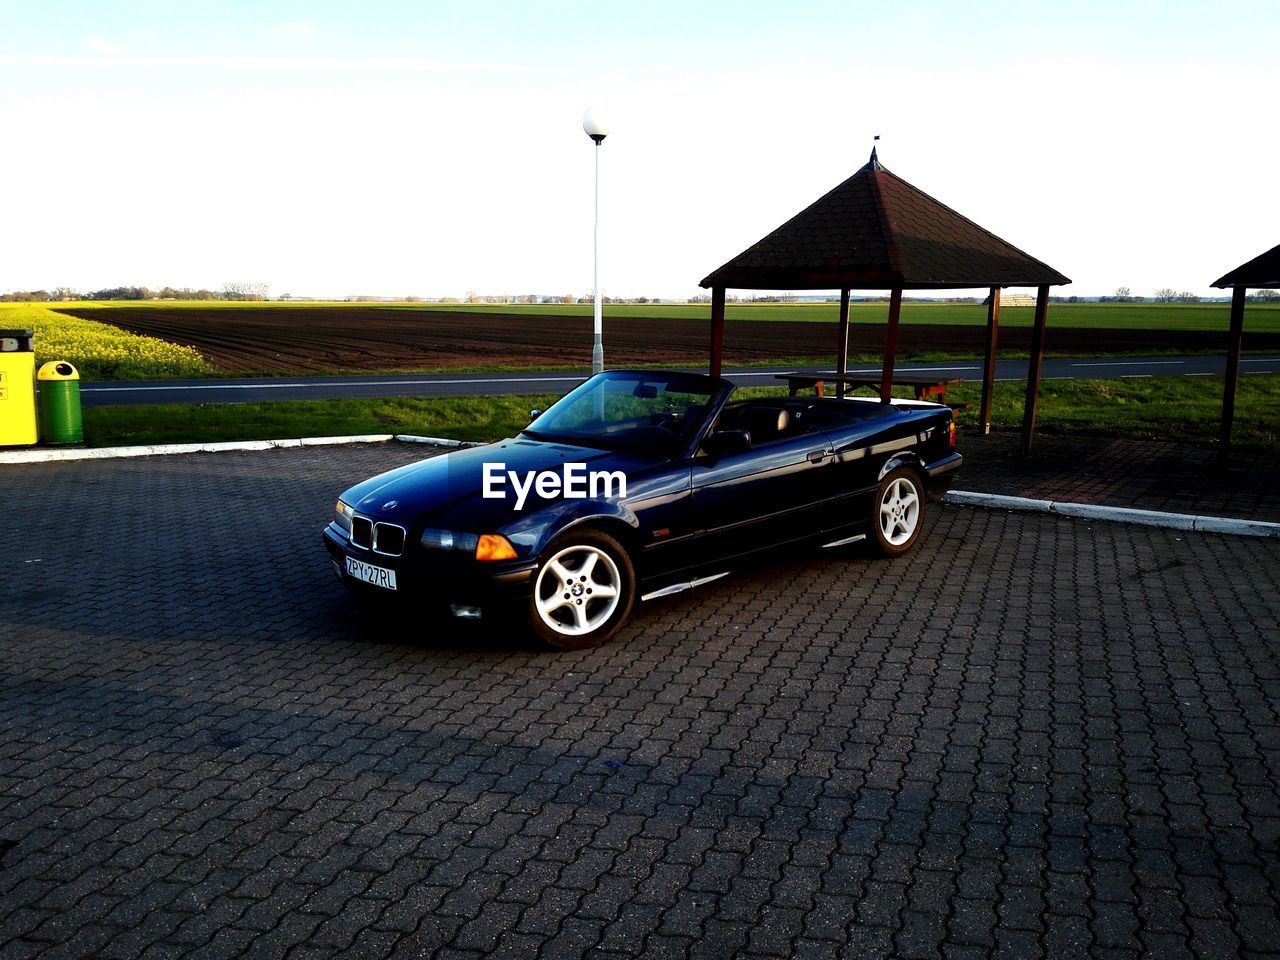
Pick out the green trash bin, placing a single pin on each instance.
(59, 401)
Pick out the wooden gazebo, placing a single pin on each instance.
(875, 231)
(1260, 273)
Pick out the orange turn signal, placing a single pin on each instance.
(494, 547)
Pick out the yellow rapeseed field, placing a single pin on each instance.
(99, 350)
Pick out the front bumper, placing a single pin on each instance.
(435, 579)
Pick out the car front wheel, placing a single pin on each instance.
(897, 513)
(583, 590)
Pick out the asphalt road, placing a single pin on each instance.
(1035, 738)
(250, 389)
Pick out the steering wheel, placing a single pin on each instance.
(667, 421)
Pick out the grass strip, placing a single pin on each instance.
(1185, 409)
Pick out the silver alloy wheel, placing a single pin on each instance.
(899, 511)
(578, 590)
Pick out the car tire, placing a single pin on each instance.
(897, 513)
(566, 608)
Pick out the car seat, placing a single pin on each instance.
(767, 423)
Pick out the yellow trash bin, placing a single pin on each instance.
(17, 387)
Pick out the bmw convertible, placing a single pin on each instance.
(639, 484)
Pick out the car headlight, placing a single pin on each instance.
(342, 516)
(449, 540)
(486, 547)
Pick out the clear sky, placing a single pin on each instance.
(410, 147)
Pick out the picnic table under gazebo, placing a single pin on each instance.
(923, 387)
(875, 231)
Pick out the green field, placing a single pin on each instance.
(1259, 318)
(1185, 409)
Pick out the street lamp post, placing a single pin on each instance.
(595, 127)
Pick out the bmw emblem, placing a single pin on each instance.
(390, 505)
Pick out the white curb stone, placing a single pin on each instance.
(38, 455)
(1092, 511)
(52, 454)
(436, 441)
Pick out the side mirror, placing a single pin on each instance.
(534, 415)
(724, 443)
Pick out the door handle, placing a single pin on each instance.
(817, 457)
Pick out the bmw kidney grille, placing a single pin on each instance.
(388, 538)
(385, 538)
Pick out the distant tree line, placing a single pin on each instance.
(1169, 295)
(26, 296)
(258, 291)
(473, 296)
(1122, 295)
(230, 291)
(1163, 295)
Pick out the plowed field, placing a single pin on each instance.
(302, 339)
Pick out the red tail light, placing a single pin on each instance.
(951, 433)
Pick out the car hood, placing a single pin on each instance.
(446, 491)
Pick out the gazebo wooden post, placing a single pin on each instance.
(1033, 369)
(842, 345)
(1234, 343)
(989, 366)
(717, 329)
(890, 345)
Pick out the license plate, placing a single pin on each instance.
(378, 576)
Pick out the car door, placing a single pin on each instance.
(860, 450)
(769, 494)
(661, 500)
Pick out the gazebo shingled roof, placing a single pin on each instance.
(875, 231)
(1262, 272)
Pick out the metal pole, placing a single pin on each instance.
(597, 344)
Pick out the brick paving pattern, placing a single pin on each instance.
(1146, 474)
(1036, 737)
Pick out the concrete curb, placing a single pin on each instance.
(1090, 511)
(165, 449)
(436, 441)
(50, 455)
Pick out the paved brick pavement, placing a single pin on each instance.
(1147, 474)
(1036, 737)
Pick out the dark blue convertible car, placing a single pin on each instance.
(637, 484)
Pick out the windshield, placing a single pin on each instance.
(653, 413)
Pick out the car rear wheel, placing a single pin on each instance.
(897, 512)
(583, 590)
